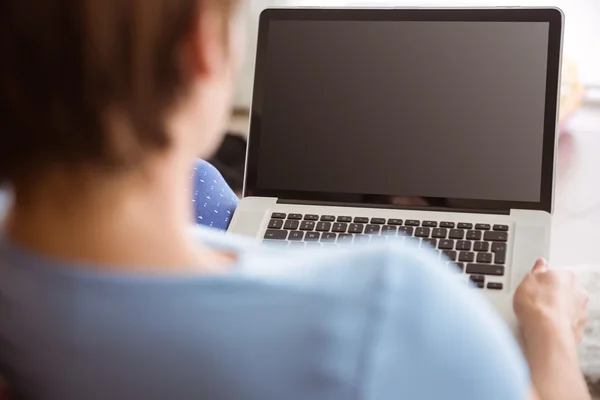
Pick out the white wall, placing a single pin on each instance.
(582, 32)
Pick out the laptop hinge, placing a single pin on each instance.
(392, 207)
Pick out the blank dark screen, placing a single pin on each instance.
(427, 109)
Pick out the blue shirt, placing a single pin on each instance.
(213, 200)
(371, 323)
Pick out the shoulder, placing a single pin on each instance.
(208, 173)
(334, 268)
(381, 268)
(420, 320)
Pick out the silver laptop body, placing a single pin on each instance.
(390, 124)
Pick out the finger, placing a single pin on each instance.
(584, 297)
(580, 330)
(540, 266)
(579, 335)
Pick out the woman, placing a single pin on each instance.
(105, 294)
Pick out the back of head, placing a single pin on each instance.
(71, 69)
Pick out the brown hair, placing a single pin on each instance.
(65, 64)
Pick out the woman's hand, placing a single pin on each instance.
(551, 300)
(551, 307)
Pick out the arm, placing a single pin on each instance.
(551, 307)
(555, 367)
(213, 200)
(439, 339)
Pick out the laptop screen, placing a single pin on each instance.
(428, 109)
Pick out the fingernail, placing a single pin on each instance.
(541, 265)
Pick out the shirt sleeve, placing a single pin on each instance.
(435, 338)
(213, 200)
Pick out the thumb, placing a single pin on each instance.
(540, 266)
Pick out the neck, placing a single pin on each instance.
(135, 221)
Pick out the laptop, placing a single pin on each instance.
(387, 124)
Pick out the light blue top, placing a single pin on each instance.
(369, 323)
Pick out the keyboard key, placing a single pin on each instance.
(314, 244)
(501, 228)
(499, 249)
(395, 222)
(457, 265)
(356, 228)
(466, 256)
(344, 238)
(273, 234)
(312, 237)
(344, 219)
(397, 240)
(295, 216)
(372, 230)
(439, 233)
(463, 245)
(484, 258)
(422, 232)
(483, 269)
(406, 230)
(296, 236)
(308, 225)
(328, 237)
(362, 239)
(478, 281)
(291, 224)
(412, 222)
(429, 243)
(496, 236)
(278, 216)
(430, 224)
(389, 230)
(464, 225)
(474, 235)
(457, 234)
(361, 220)
(311, 217)
(483, 227)
(496, 247)
(451, 255)
(481, 246)
(338, 227)
(328, 218)
(276, 224)
(500, 258)
(378, 221)
(446, 244)
(323, 227)
(298, 244)
(448, 225)
(275, 243)
(495, 286)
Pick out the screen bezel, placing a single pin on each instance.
(552, 16)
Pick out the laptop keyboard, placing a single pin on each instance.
(479, 250)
